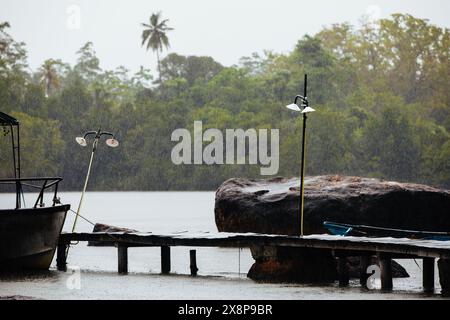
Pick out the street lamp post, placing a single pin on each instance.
(306, 109)
(111, 142)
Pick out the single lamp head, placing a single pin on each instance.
(308, 110)
(294, 107)
(81, 141)
(113, 143)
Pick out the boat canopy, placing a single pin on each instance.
(7, 120)
(11, 122)
(48, 182)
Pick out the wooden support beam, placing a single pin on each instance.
(364, 262)
(386, 271)
(343, 271)
(444, 276)
(61, 255)
(405, 247)
(122, 259)
(165, 259)
(193, 262)
(428, 275)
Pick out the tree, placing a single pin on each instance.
(12, 54)
(13, 74)
(41, 147)
(191, 68)
(142, 78)
(155, 36)
(380, 91)
(416, 52)
(49, 77)
(319, 64)
(391, 144)
(88, 65)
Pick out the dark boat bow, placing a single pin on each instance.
(28, 236)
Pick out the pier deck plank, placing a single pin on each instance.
(405, 247)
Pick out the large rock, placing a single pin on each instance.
(101, 227)
(281, 264)
(272, 206)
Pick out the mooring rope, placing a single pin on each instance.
(23, 198)
(239, 262)
(84, 218)
(417, 264)
(92, 223)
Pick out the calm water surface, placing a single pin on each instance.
(222, 271)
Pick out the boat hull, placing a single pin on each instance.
(342, 229)
(28, 237)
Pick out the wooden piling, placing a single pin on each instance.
(165, 259)
(366, 248)
(444, 276)
(343, 271)
(61, 256)
(428, 275)
(122, 259)
(364, 262)
(193, 262)
(386, 271)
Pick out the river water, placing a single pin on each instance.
(222, 271)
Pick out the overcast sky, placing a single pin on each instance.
(225, 30)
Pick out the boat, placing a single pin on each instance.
(28, 235)
(342, 229)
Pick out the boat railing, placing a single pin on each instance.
(46, 183)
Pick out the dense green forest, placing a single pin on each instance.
(381, 91)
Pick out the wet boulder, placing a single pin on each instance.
(101, 227)
(283, 264)
(272, 207)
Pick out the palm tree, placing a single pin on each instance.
(155, 36)
(49, 75)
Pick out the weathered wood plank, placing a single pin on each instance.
(193, 262)
(385, 248)
(406, 247)
(165, 259)
(428, 275)
(61, 255)
(344, 278)
(364, 263)
(444, 276)
(122, 259)
(386, 271)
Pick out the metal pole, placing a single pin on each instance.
(302, 175)
(94, 147)
(18, 186)
(18, 151)
(18, 166)
(302, 171)
(14, 151)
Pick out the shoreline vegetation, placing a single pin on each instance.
(381, 90)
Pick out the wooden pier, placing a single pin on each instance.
(385, 249)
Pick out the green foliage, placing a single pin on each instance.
(191, 68)
(380, 91)
(154, 36)
(42, 147)
(391, 147)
